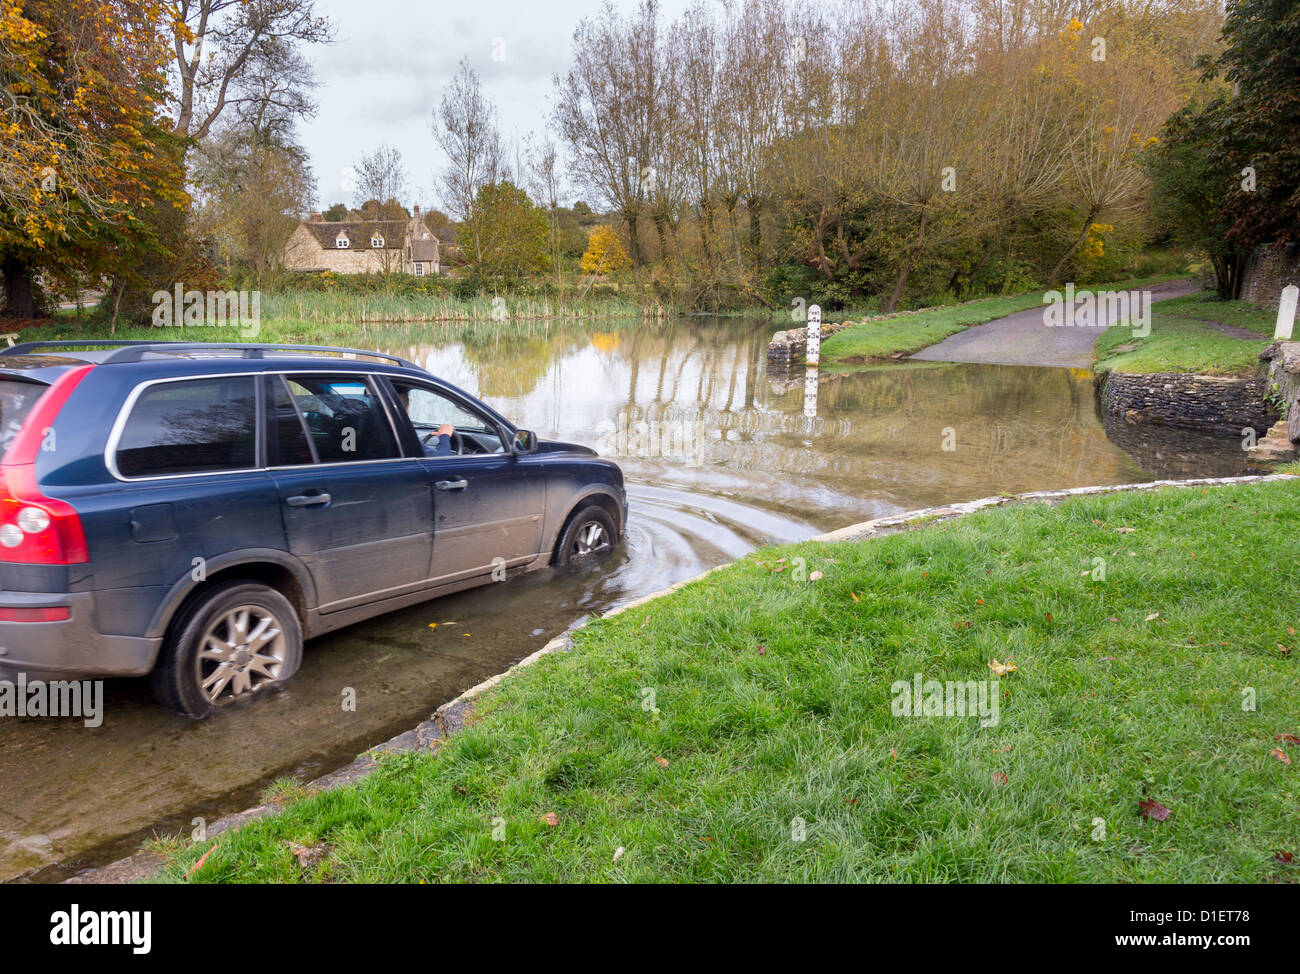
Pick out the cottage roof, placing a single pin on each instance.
(359, 232)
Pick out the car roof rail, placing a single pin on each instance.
(134, 351)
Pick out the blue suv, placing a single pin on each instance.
(194, 511)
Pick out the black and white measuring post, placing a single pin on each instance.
(1285, 313)
(813, 346)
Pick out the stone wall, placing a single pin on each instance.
(1284, 382)
(789, 347)
(1269, 270)
(1204, 403)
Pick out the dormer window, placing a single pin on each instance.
(377, 241)
(342, 242)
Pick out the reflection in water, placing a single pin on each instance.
(720, 456)
(698, 401)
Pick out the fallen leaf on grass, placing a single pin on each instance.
(1048, 615)
(1281, 755)
(202, 859)
(618, 853)
(855, 597)
(979, 601)
(707, 838)
(1288, 738)
(1002, 669)
(893, 753)
(646, 623)
(307, 855)
(962, 624)
(815, 576)
(1112, 619)
(550, 818)
(662, 762)
(1282, 858)
(999, 778)
(1125, 530)
(762, 650)
(1153, 809)
(1153, 615)
(1284, 650)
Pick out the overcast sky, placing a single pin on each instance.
(381, 79)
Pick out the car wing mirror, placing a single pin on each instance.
(525, 441)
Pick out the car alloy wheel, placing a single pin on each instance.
(242, 650)
(591, 538)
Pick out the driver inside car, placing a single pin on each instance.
(437, 443)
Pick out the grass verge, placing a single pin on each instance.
(1183, 339)
(697, 733)
(384, 335)
(878, 338)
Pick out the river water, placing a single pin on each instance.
(720, 455)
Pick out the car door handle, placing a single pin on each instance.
(308, 500)
(452, 484)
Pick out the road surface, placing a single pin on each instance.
(1024, 339)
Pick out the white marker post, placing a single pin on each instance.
(814, 333)
(813, 342)
(1286, 313)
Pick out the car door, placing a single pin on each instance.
(356, 512)
(487, 503)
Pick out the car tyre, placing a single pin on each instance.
(589, 535)
(232, 642)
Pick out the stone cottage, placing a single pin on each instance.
(364, 247)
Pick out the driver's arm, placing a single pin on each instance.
(443, 447)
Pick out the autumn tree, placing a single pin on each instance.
(251, 189)
(83, 160)
(605, 253)
(510, 234)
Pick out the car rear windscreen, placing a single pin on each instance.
(16, 401)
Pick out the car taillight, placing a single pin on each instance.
(54, 613)
(35, 529)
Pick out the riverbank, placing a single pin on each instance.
(1197, 369)
(1198, 334)
(744, 728)
(893, 336)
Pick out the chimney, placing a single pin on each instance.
(417, 209)
(314, 218)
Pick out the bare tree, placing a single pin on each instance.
(609, 110)
(465, 126)
(241, 54)
(380, 176)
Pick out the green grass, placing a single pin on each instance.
(773, 699)
(1182, 340)
(874, 339)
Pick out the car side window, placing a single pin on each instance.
(429, 409)
(287, 442)
(191, 426)
(344, 418)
